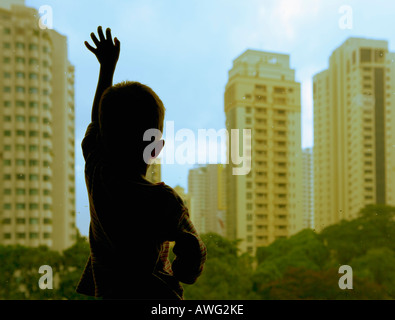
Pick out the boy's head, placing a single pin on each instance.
(127, 110)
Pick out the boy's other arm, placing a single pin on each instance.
(107, 53)
(190, 252)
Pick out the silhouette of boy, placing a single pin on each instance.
(132, 219)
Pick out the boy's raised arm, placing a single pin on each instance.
(107, 53)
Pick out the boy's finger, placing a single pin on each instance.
(117, 42)
(108, 34)
(100, 33)
(95, 39)
(90, 48)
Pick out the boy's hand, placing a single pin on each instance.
(106, 51)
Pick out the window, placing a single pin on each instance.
(33, 76)
(20, 119)
(6, 59)
(7, 118)
(7, 103)
(33, 46)
(33, 163)
(33, 235)
(33, 148)
(366, 55)
(20, 235)
(20, 220)
(33, 90)
(47, 221)
(33, 61)
(7, 75)
(20, 133)
(379, 55)
(33, 192)
(20, 75)
(260, 98)
(20, 60)
(20, 176)
(33, 119)
(279, 90)
(33, 221)
(7, 89)
(20, 103)
(20, 162)
(47, 206)
(6, 176)
(7, 162)
(7, 235)
(47, 235)
(7, 191)
(20, 191)
(33, 206)
(20, 89)
(7, 147)
(7, 31)
(33, 177)
(33, 133)
(33, 104)
(6, 221)
(7, 206)
(6, 45)
(20, 45)
(20, 206)
(7, 133)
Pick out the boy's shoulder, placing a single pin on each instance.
(171, 194)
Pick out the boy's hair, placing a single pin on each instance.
(126, 111)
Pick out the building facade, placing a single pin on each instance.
(37, 189)
(308, 189)
(354, 132)
(266, 204)
(207, 198)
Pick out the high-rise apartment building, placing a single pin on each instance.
(266, 204)
(37, 193)
(354, 131)
(308, 189)
(206, 193)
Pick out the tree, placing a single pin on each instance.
(305, 284)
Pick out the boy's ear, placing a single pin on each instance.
(158, 146)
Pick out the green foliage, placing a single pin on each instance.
(305, 284)
(304, 266)
(19, 274)
(226, 275)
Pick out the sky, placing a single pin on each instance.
(184, 50)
